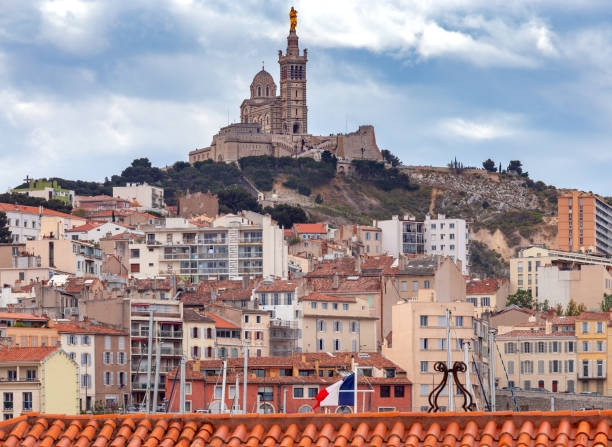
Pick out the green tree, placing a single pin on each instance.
(393, 160)
(559, 309)
(489, 165)
(543, 306)
(235, 199)
(515, 166)
(522, 298)
(574, 309)
(287, 215)
(606, 304)
(5, 233)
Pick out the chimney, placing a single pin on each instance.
(358, 264)
(335, 281)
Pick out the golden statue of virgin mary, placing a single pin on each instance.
(293, 19)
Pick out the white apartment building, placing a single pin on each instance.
(22, 221)
(402, 236)
(448, 237)
(148, 197)
(233, 246)
(94, 232)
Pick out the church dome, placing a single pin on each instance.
(263, 85)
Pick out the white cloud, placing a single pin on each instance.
(478, 130)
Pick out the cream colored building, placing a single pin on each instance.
(537, 359)
(524, 267)
(419, 341)
(584, 283)
(337, 324)
(74, 257)
(198, 335)
(42, 379)
(146, 196)
(487, 295)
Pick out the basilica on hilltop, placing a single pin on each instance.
(277, 125)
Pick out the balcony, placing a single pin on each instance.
(171, 351)
(256, 270)
(249, 255)
(251, 240)
(171, 334)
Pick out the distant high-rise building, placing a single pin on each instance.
(585, 223)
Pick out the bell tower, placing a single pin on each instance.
(294, 113)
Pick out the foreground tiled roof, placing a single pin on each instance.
(19, 354)
(20, 316)
(504, 429)
(480, 286)
(84, 227)
(302, 228)
(221, 323)
(323, 297)
(277, 286)
(26, 209)
(597, 316)
(192, 316)
(86, 327)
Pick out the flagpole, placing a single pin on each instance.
(355, 396)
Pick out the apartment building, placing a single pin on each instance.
(279, 297)
(289, 384)
(419, 340)
(402, 236)
(368, 238)
(28, 222)
(311, 231)
(338, 324)
(167, 331)
(585, 223)
(583, 283)
(537, 358)
(233, 246)
(198, 335)
(524, 267)
(141, 196)
(26, 330)
(103, 357)
(94, 232)
(487, 295)
(592, 337)
(448, 237)
(74, 257)
(41, 379)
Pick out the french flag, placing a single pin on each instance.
(339, 393)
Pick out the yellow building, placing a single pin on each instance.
(592, 337)
(487, 295)
(198, 335)
(41, 379)
(26, 330)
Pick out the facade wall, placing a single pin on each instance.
(448, 237)
(592, 354)
(149, 197)
(33, 336)
(418, 343)
(60, 386)
(114, 389)
(81, 349)
(199, 339)
(23, 226)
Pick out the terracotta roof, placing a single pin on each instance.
(235, 294)
(26, 354)
(480, 286)
(192, 316)
(35, 210)
(345, 285)
(534, 334)
(222, 323)
(424, 265)
(84, 227)
(77, 284)
(86, 327)
(195, 299)
(393, 429)
(341, 266)
(560, 319)
(20, 316)
(303, 228)
(379, 264)
(600, 316)
(152, 284)
(322, 297)
(278, 286)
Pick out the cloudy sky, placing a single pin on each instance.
(87, 86)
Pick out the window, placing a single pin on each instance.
(509, 348)
(424, 366)
(554, 366)
(337, 344)
(345, 306)
(585, 327)
(424, 389)
(441, 344)
(108, 378)
(527, 367)
(121, 358)
(600, 346)
(321, 344)
(85, 340)
(424, 344)
(31, 375)
(569, 366)
(337, 326)
(398, 391)
(11, 375)
(354, 326)
(266, 393)
(108, 358)
(526, 347)
(459, 321)
(600, 327)
(85, 380)
(72, 340)
(298, 393)
(423, 320)
(485, 301)
(426, 284)
(385, 391)
(85, 359)
(321, 325)
(540, 347)
(27, 401)
(8, 401)
(313, 305)
(540, 366)
(600, 368)
(323, 305)
(415, 286)
(312, 392)
(335, 306)
(510, 366)
(585, 346)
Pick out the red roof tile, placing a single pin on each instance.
(20, 316)
(86, 327)
(534, 334)
(480, 286)
(393, 429)
(15, 354)
(346, 285)
(277, 286)
(222, 323)
(35, 210)
(192, 316)
(84, 227)
(341, 266)
(315, 228)
(599, 316)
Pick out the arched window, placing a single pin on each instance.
(296, 93)
(292, 72)
(305, 409)
(265, 408)
(209, 352)
(343, 409)
(258, 91)
(300, 75)
(267, 91)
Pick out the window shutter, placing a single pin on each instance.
(550, 366)
(522, 368)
